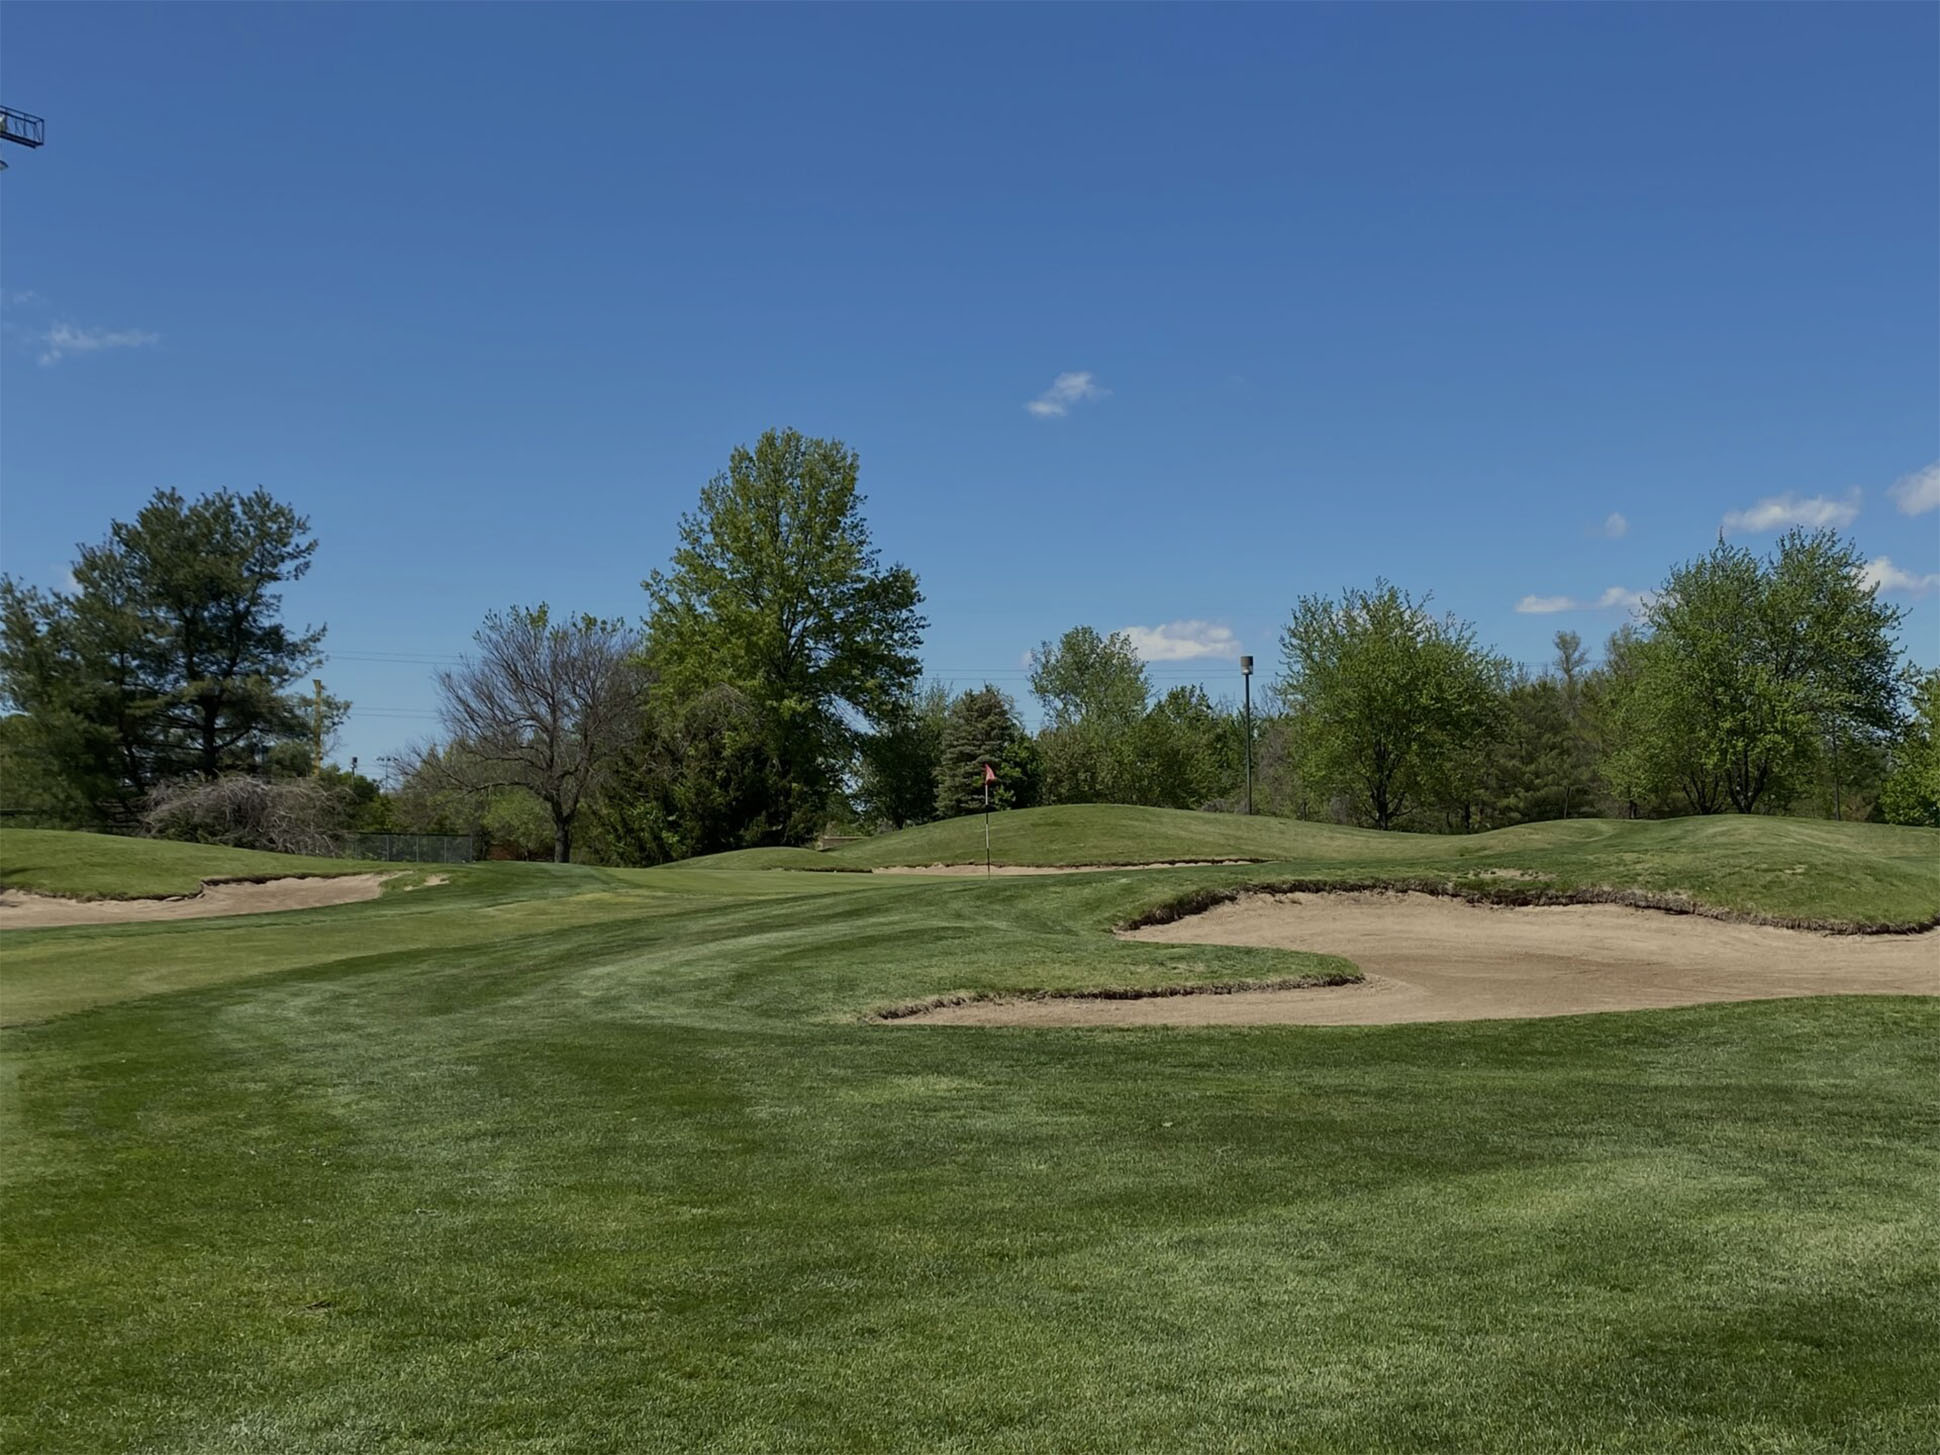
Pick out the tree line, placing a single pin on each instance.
(774, 690)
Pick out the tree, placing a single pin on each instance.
(777, 590)
(1093, 690)
(34, 794)
(700, 778)
(1540, 764)
(897, 782)
(169, 656)
(982, 728)
(1647, 739)
(1571, 672)
(1282, 782)
(1184, 752)
(1911, 793)
(1528, 762)
(1391, 697)
(545, 707)
(1753, 666)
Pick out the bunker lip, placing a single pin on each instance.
(1442, 958)
(921, 1009)
(21, 910)
(1509, 889)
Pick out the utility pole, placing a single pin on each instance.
(1246, 680)
(316, 749)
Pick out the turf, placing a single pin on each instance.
(107, 866)
(571, 1159)
(1791, 868)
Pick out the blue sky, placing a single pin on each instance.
(1517, 306)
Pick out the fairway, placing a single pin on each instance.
(564, 1158)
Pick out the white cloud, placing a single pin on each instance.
(1613, 596)
(1614, 527)
(1543, 605)
(1182, 641)
(1919, 492)
(1777, 512)
(64, 340)
(1065, 391)
(1881, 574)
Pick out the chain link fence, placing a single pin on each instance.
(412, 848)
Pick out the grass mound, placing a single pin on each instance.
(1791, 871)
(107, 866)
(1082, 833)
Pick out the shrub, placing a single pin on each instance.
(288, 817)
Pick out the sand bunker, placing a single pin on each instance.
(979, 870)
(1432, 959)
(22, 911)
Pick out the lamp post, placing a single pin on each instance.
(1246, 679)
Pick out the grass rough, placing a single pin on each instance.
(109, 866)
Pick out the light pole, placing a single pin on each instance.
(1246, 679)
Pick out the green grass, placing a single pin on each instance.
(1790, 868)
(107, 866)
(574, 1159)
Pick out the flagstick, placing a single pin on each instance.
(986, 828)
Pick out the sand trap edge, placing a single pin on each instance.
(358, 887)
(1120, 992)
(1507, 894)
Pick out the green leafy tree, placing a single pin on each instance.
(1282, 782)
(1094, 691)
(1528, 760)
(366, 807)
(897, 785)
(1184, 752)
(430, 793)
(442, 790)
(169, 657)
(1750, 667)
(34, 793)
(1647, 747)
(1541, 763)
(1394, 701)
(777, 590)
(1573, 675)
(701, 778)
(981, 728)
(1911, 793)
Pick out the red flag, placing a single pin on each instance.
(989, 774)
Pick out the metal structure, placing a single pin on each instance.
(21, 128)
(1246, 677)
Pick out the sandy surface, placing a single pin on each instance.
(23, 911)
(1430, 959)
(1003, 869)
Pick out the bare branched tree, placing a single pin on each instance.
(295, 816)
(544, 706)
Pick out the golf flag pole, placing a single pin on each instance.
(989, 777)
